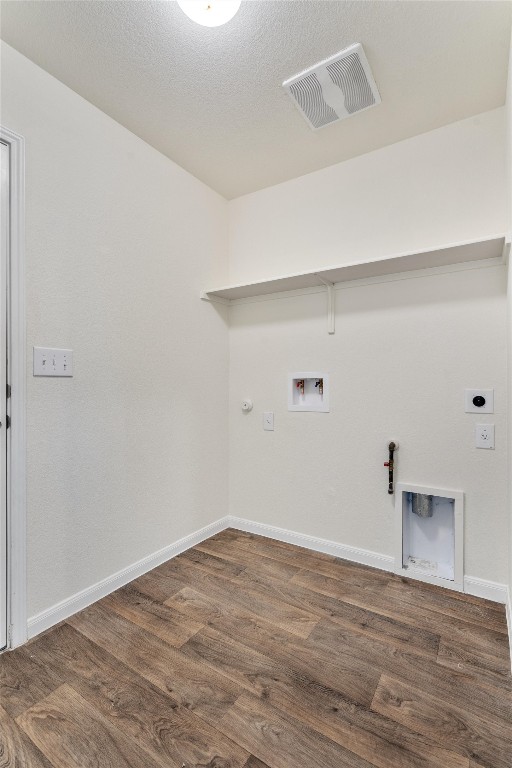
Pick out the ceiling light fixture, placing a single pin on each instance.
(210, 13)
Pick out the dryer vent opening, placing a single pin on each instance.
(334, 88)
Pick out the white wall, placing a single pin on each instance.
(437, 188)
(402, 354)
(508, 108)
(130, 454)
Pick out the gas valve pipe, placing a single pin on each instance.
(391, 465)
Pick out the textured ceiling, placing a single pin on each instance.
(211, 99)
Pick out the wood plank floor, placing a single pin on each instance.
(248, 653)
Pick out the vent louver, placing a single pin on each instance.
(335, 88)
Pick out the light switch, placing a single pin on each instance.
(268, 421)
(53, 362)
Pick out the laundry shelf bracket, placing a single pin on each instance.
(331, 304)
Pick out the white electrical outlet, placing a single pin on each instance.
(53, 362)
(484, 435)
(479, 400)
(268, 421)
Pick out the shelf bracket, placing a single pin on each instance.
(506, 249)
(331, 304)
(215, 299)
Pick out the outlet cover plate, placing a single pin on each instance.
(484, 436)
(487, 394)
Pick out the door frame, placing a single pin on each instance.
(16, 435)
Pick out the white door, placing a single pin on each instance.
(4, 260)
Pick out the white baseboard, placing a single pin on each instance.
(354, 554)
(508, 606)
(66, 608)
(490, 590)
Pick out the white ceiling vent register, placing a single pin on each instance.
(334, 88)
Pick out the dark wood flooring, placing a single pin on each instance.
(248, 653)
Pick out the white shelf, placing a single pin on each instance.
(459, 253)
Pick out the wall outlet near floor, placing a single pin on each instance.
(53, 362)
(484, 435)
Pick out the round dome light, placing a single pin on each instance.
(210, 13)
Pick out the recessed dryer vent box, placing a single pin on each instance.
(308, 391)
(429, 535)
